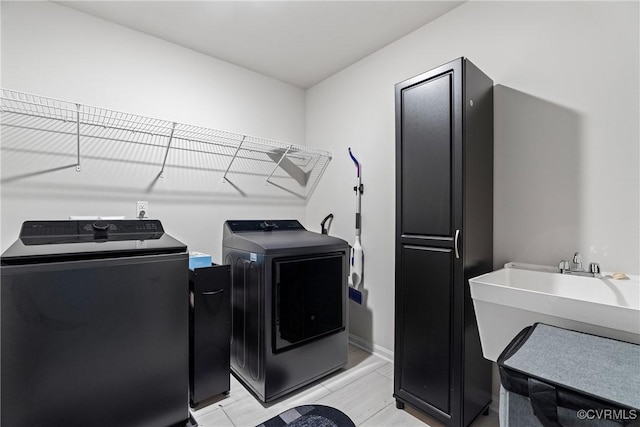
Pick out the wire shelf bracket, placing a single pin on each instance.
(224, 177)
(300, 175)
(78, 168)
(276, 167)
(166, 153)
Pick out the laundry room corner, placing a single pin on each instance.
(338, 127)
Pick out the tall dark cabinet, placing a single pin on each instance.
(444, 236)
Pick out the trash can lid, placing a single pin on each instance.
(600, 367)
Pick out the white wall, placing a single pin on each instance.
(566, 137)
(54, 51)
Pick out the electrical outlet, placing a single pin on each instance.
(142, 210)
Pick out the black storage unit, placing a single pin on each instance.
(444, 236)
(209, 332)
(552, 376)
(94, 325)
(288, 301)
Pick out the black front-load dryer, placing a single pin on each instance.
(289, 290)
(94, 323)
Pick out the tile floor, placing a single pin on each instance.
(363, 390)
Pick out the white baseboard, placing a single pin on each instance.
(495, 404)
(371, 348)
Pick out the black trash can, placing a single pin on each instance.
(552, 376)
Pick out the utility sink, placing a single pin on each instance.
(509, 299)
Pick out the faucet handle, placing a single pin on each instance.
(594, 268)
(564, 265)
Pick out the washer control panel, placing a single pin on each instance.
(51, 232)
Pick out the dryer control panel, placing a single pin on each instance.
(264, 225)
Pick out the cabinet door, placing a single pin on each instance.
(210, 332)
(426, 157)
(424, 330)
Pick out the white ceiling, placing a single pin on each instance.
(298, 42)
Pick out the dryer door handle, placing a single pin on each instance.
(213, 292)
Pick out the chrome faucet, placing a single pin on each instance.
(577, 262)
(576, 267)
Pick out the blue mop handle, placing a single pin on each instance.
(355, 161)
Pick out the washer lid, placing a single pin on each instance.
(48, 241)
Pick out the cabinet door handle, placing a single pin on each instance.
(213, 292)
(455, 243)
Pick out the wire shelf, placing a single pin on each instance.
(295, 169)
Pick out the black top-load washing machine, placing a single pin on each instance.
(289, 290)
(94, 323)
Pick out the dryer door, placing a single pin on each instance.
(309, 294)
